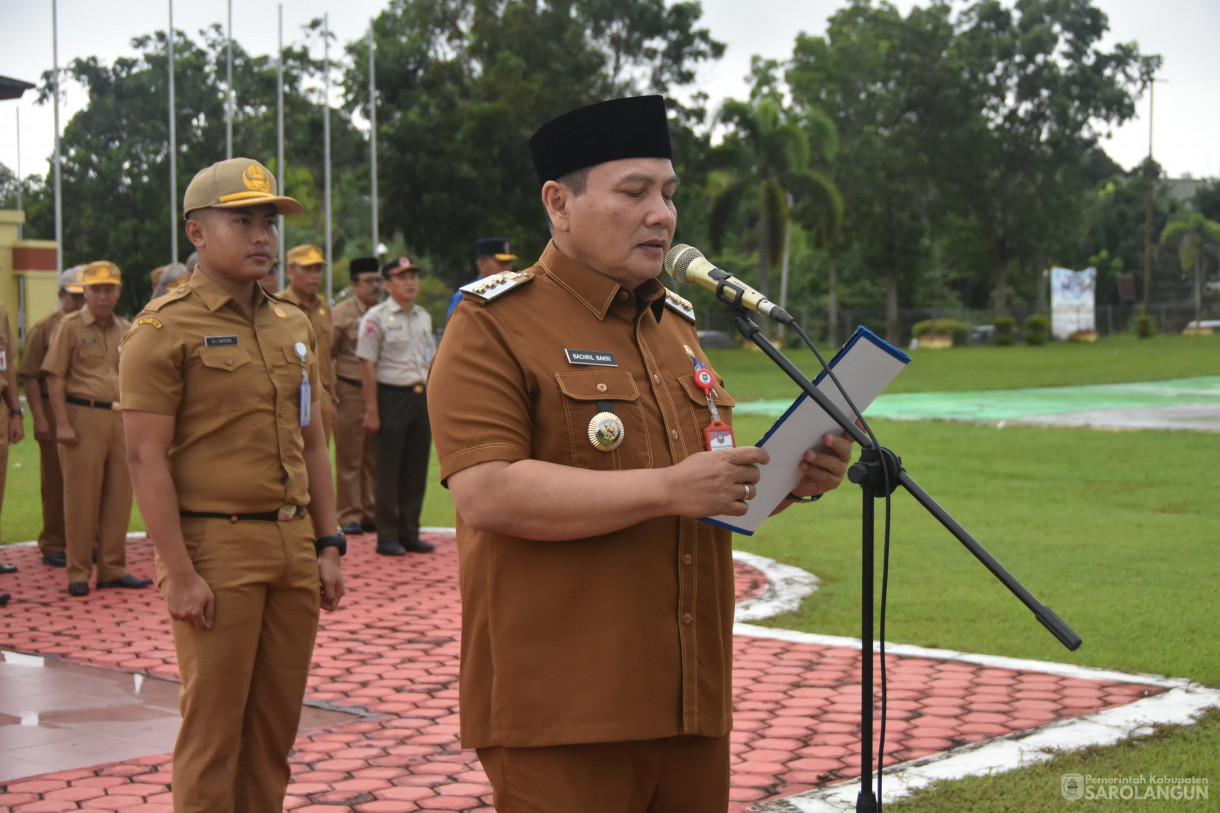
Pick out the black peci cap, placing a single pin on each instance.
(360, 265)
(635, 127)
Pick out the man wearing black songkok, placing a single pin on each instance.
(597, 610)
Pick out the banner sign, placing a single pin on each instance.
(1072, 299)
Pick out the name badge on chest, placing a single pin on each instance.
(596, 358)
(219, 341)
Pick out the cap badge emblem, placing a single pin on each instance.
(255, 179)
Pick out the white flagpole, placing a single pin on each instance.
(373, 136)
(173, 148)
(279, 144)
(59, 212)
(229, 85)
(19, 184)
(330, 293)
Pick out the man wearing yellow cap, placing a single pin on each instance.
(221, 394)
(71, 298)
(304, 270)
(82, 367)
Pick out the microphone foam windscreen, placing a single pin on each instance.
(679, 259)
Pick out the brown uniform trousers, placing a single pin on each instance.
(355, 459)
(51, 539)
(244, 679)
(97, 485)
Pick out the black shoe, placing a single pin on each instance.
(351, 528)
(390, 549)
(417, 546)
(4, 597)
(368, 527)
(126, 580)
(57, 559)
(8, 568)
(78, 589)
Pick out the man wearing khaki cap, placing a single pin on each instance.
(304, 270)
(221, 401)
(71, 297)
(82, 367)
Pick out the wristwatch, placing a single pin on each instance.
(19, 412)
(336, 540)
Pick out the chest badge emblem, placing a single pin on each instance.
(606, 431)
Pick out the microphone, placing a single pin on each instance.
(687, 264)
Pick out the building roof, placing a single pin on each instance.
(13, 88)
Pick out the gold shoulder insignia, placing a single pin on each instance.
(486, 289)
(179, 293)
(680, 304)
(149, 320)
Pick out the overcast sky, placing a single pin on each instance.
(1187, 131)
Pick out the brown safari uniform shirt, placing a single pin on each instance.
(37, 341)
(319, 314)
(194, 354)
(346, 320)
(86, 356)
(618, 637)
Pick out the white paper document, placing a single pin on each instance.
(865, 367)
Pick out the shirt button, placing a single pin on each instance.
(673, 433)
(686, 619)
(656, 378)
(229, 362)
(687, 559)
(622, 294)
(601, 387)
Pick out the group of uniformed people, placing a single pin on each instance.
(572, 434)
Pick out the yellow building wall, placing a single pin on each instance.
(32, 262)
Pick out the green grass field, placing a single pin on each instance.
(1116, 531)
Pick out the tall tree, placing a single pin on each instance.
(1195, 237)
(462, 84)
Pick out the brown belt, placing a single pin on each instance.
(284, 514)
(89, 402)
(351, 381)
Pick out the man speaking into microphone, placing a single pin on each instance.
(582, 433)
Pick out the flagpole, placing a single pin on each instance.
(173, 149)
(17, 110)
(330, 294)
(373, 135)
(59, 212)
(229, 85)
(279, 144)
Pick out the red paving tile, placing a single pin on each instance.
(391, 654)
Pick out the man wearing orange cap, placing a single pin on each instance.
(221, 402)
(304, 271)
(71, 298)
(82, 367)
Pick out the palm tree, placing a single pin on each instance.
(767, 155)
(1194, 235)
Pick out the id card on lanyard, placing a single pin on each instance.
(717, 434)
(306, 396)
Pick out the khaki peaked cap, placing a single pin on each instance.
(233, 184)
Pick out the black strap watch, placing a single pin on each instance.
(19, 412)
(338, 540)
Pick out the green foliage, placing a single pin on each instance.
(1037, 330)
(1144, 325)
(956, 328)
(1004, 326)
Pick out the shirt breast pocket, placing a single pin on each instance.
(228, 374)
(584, 395)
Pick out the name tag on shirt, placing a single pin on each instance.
(220, 341)
(597, 358)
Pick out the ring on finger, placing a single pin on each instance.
(749, 491)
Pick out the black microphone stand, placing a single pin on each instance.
(876, 469)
